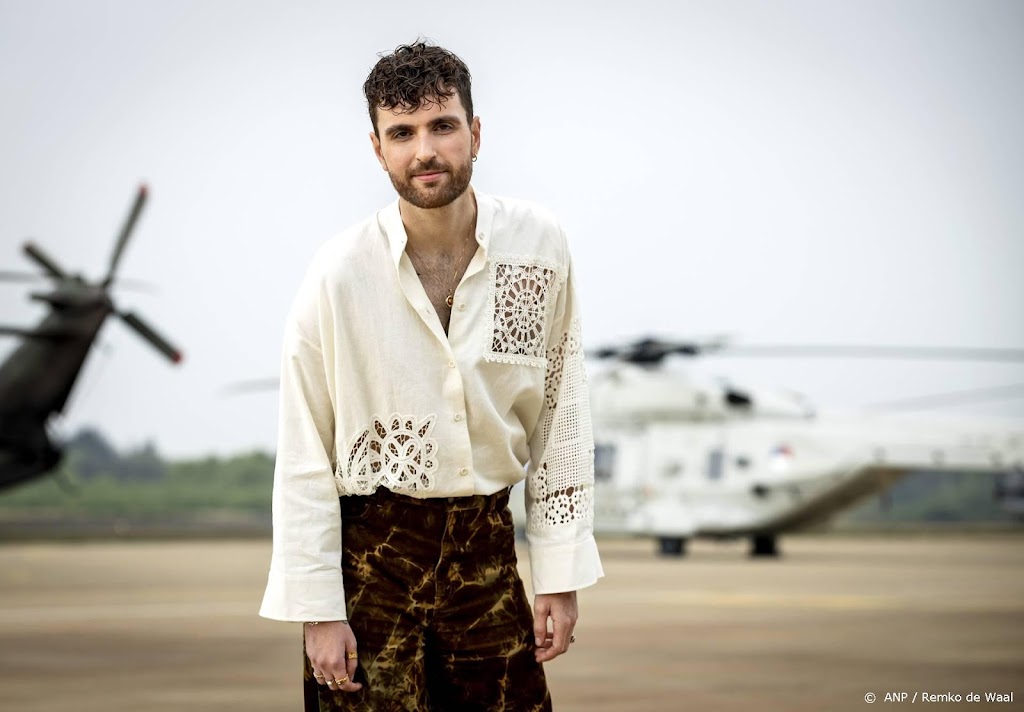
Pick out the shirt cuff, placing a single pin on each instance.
(564, 567)
(304, 598)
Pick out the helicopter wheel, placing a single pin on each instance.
(671, 546)
(764, 545)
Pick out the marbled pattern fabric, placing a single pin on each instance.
(437, 607)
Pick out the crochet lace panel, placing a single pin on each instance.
(396, 452)
(522, 292)
(561, 489)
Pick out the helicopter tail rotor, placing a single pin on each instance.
(126, 232)
(146, 331)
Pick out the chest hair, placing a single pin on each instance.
(439, 274)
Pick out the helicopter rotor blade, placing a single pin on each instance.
(257, 385)
(942, 400)
(126, 232)
(924, 353)
(132, 285)
(8, 276)
(43, 260)
(138, 285)
(654, 350)
(147, 332)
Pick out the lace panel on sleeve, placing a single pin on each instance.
(522, 291)
(562, 487)
(396, 452)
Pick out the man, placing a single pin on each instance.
(431, 360)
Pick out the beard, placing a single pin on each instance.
(433, 196)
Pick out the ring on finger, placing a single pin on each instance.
(318, 675)
(341, 681)
(351, 655)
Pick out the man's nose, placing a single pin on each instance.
(425, 148)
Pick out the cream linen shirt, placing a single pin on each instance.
(375, 394)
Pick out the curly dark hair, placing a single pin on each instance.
(415, 76)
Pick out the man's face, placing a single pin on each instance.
(428, 153)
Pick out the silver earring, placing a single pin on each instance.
(474, 159)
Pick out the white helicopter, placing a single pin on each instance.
(677, 458)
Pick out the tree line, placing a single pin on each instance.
(94, 478)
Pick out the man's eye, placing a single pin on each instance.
(444, 127)
(399, 135)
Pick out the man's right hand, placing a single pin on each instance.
(331, 648)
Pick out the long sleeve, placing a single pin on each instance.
(305, 581)
(560, 479)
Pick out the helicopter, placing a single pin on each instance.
(37, 378)
(677, 458)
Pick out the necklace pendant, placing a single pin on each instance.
(449, 300)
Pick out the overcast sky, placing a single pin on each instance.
(826, 172)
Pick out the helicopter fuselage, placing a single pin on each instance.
(37, 378)
(711, 470)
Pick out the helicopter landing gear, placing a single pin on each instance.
(672, 546)
(764, 545)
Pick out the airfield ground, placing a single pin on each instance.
(160, 626)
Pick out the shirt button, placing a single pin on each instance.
(462, 307)
(479, 235)
(451, 364)
(464, 471)
(458, 417)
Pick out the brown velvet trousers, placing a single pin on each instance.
(439, 612)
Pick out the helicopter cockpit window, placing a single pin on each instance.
(604, 462)
(716, 459)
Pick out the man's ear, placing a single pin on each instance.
(376, 150)
(474, 129)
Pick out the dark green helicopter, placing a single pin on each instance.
(37, 378)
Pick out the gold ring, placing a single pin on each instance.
(351, 655)
(342, 681)
(318, 675)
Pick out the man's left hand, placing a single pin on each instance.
(561, 609)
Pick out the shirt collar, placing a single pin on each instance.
(390, 221)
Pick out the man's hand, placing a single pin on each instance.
(561, 609)
(331, 648)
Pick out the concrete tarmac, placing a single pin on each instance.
(161, 626)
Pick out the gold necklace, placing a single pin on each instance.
(450, 299)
